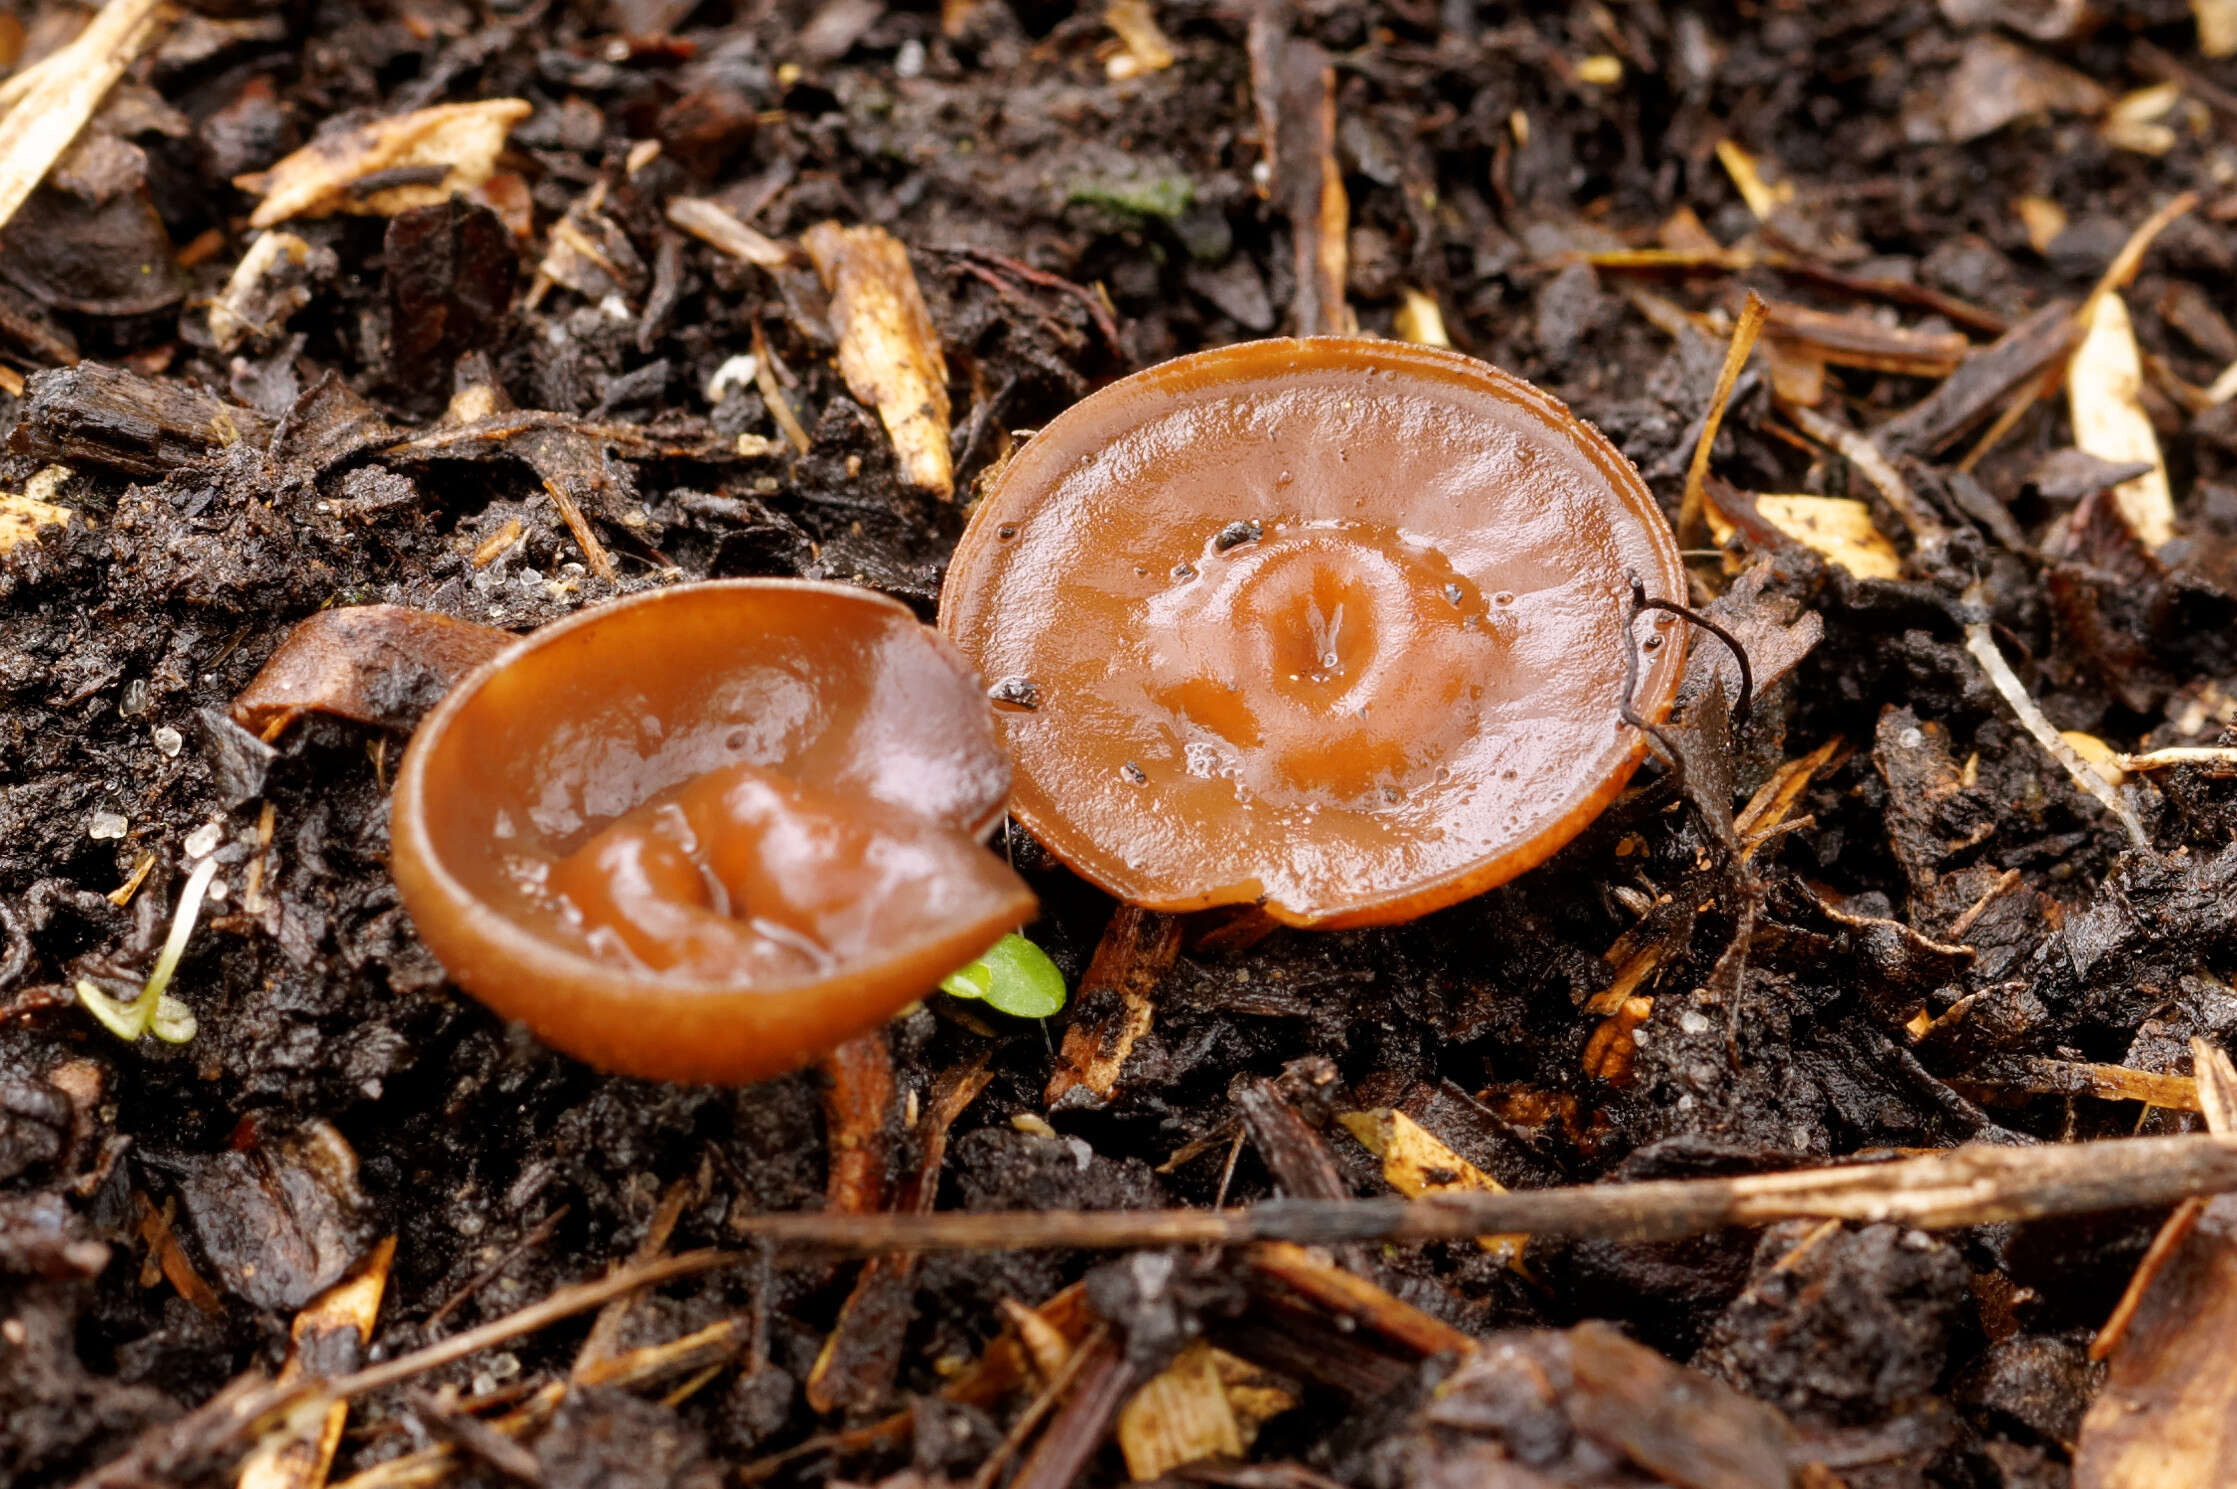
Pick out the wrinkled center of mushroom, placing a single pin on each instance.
(1323, 657)
(741, 875)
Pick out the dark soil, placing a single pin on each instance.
(339, 1092)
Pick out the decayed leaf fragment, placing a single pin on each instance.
(1417, 1162)
(332, 173)
(1837, 528)
(2104, 396)
(889, 351)
(382, 665)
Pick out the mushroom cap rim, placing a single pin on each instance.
(1657, 685)
(507, 938)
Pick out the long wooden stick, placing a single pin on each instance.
(1967, 1186)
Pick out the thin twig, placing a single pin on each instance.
(1927, 530)
(1982, 645)
(1975, 1185)
(1690, 508)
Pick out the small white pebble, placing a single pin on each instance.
(1910, 739)
(217, 891)
(1693, 1021)
(615, 308)
(167, 741)
(203, 841)
(909, 62)
(106, 825)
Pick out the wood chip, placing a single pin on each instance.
(1293, 85)
(21, 517)
(1418, 319)
(1146, 48)
(267, 286)
(2134, 121)
(2104, 397)
(1762, 197)
(1837, 528)
(2217, 26)
(329, 1335)
(1137, 950)
(889, 351)
(1353, 1297)
(1417, 1162)
(715, 225)
(54, 105)
(1852, 340)
(1180, 1415)
(2043, 220)
(454, 144)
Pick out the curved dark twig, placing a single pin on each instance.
(1640, 600)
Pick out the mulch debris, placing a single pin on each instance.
(432, 321)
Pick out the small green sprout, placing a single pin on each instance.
(155, 1011)
(1013, 976)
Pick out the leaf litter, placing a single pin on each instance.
(467, 377)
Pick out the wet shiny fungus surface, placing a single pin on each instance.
(708, 832)
(1338, 624)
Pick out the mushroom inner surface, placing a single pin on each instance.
(743, 875)
(1337, 624)
(1280, 657)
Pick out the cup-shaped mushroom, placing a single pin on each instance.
(708, 832)
(1339, 626)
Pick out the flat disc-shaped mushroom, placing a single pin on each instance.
(1337, 625)
(708, 832)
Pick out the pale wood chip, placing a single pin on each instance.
(2104, 397)
(54, 100)
(326, 176)
(297, 1453)
(715, 225)
(1837, 528)
(889, 351)
(1417, 1162)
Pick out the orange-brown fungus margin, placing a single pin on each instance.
(707, 833)
(1336, 625)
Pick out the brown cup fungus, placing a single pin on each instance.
(709, 832)
(1339, 625)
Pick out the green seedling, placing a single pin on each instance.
(1013, 976)
(155, 1011)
